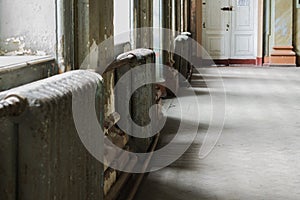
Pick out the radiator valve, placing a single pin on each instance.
(12, 105)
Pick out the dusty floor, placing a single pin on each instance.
(258, 153)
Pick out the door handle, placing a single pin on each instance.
(227, 8)
(204, 25)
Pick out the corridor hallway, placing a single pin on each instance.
(257, 155)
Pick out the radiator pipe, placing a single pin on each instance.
(119, 63)
(12, 105)
(141, 176)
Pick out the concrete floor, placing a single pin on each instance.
(258, 153)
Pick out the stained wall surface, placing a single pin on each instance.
(28, 25)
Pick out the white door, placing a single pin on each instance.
(229, 28)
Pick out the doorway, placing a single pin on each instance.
(229, 30)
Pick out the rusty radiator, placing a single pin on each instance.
(41, 154)
(139, 104)
(143, 98)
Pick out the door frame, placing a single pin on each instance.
(259, 11)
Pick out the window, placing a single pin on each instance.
(122, 18)
(157, 35)
(27, 27)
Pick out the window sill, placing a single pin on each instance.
(13, 62)
(19, 70)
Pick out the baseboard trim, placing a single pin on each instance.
(259, 61)
(227, 62)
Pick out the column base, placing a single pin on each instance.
(283, 55)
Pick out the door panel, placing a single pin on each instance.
(215, 38)
(243, 40)
(243, 15)
(243, 45)
(216, 45)
(229, 33)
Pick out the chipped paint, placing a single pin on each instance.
(16, 46)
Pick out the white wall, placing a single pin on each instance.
(121, 21)
(30, 20)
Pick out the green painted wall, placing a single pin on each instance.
(297, 30)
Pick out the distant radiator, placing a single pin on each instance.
(143, 98)
(139, 104)
(41, 154)
(183, 55)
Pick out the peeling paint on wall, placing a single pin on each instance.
(16, 46)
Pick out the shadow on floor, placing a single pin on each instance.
(173, 191)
